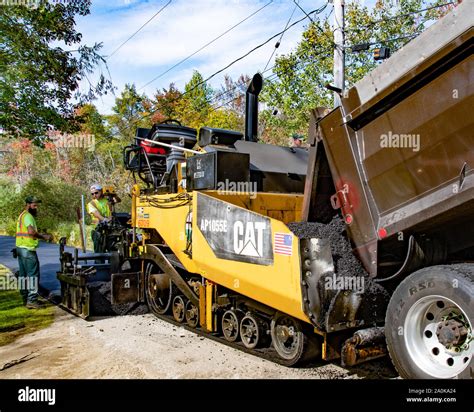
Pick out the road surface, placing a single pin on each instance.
(141, 346)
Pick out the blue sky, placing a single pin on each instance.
(182, 28)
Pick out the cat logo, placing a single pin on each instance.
(248, 238)
(234, 233)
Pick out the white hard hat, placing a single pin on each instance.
(96, 187)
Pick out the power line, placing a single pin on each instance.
(238, 84)
(384, 41)
(279, 40)
(230, 64)
(274, 76)
(206, 45)
(245, 82)
(143, 25)
(213, 109)
(248, 53)
(302, 64)
(316, 24)
(270, 77)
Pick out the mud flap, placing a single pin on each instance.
(127, 288)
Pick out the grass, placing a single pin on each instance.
(15, 319)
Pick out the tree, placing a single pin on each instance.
(229, 101)
(232, 94)
(303, 73)
(224, 119)
(38, 80)
(193, 106)
(91, 121)
(129, 112)
(165, 104)
(198, 93)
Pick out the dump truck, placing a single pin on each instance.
(362, 243)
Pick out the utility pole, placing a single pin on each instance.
(339, 51)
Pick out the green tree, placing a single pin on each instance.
(198, 93)
(91, 121)
(129, 112)
(224, 119)
(38, 78)
(303, 73)
(194, 104)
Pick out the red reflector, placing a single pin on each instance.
(349, 219)
(151, 149)
(382, 233)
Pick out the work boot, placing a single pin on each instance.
(35, 305)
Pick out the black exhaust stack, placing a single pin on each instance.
(251, 108)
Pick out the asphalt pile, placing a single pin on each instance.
(345, 263)
(101, 302)
(374, 298)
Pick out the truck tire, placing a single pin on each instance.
(429, 322)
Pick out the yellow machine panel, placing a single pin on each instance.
(166, 215)
(255, 255)
(276, 284)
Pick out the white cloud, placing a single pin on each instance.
(180, 30)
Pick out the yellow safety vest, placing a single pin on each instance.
(101, 205)
(23, 238)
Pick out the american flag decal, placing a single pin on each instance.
(283, 244)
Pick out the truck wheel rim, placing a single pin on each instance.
(428, 323)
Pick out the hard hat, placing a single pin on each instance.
(95, 187)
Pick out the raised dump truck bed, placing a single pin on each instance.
(401, 149)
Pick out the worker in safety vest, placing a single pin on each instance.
(26, 244)
(99, 209)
